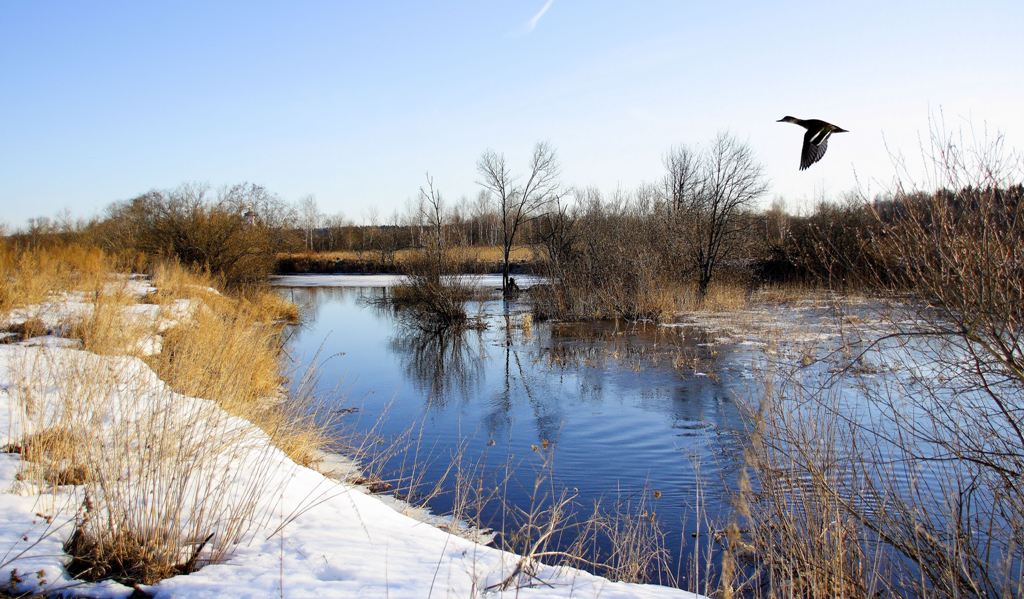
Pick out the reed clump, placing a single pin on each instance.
(31, 274)
(432, 297)
(221, 355)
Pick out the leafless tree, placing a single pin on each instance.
(558, 228)
(518, 203)
(683, 172)
(712, 190)
(334, 229)
(309, 219)
(431, 212)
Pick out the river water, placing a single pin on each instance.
(627, 412)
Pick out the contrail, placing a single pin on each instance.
(532, 23)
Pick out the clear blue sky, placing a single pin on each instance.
(353, 102)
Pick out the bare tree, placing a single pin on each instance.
(713, 190)
(431, 212)
(518, 203)
(336, 225)
(683, 171)
(484, 219)
(309, 218)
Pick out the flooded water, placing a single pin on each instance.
(626, 408)
(626, 411)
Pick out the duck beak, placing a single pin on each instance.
(840, 130)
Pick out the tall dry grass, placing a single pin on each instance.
(169, 482)
(904, 479)
(229, 351)
(30, 275)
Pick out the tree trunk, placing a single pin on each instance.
(504, 271)
(703, 283)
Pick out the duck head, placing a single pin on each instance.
(788, 119)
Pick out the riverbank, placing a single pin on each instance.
(108, 464)
(467, 259)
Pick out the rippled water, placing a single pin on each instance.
(628, 408)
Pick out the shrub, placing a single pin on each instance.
(218, 235)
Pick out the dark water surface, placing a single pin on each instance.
(628, 409)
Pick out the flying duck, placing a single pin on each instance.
(815, 140)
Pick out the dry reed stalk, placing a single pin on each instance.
(224, 353)
(160, 472)
(721, 296)
(170, 482)
(30, 275)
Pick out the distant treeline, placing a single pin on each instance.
(633, 240)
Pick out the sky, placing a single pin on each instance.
(353, 102)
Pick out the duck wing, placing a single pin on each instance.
(815, 144)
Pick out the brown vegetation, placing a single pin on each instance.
(917, 491)
(468, 259)
(158, 500)
(234, 236)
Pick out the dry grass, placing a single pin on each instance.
(162, 491)
(174, 282)
(230, 352)
(636, 550)
(649, 300)
(458, 254)
(29, 276)
(786, 293)
(797, 522)
(109, 328)
(31, 327)
(161, 494)
(269, 307)
(721, 297)
(52, 455)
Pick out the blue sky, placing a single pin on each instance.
(353, 102)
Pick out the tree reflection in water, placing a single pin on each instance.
(442, 364)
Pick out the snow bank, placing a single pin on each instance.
(311, 536)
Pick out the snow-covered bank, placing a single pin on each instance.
(307, 535)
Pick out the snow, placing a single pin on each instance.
(311, 537)
(61, 311)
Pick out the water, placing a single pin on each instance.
(626, 409)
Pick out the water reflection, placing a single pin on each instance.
(628, 406)
(444, 364)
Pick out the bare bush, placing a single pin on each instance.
(433, 296)
(620, 265)
(201, 232)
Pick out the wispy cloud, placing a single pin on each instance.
(532, 23)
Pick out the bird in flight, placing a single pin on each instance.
(815, 140)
